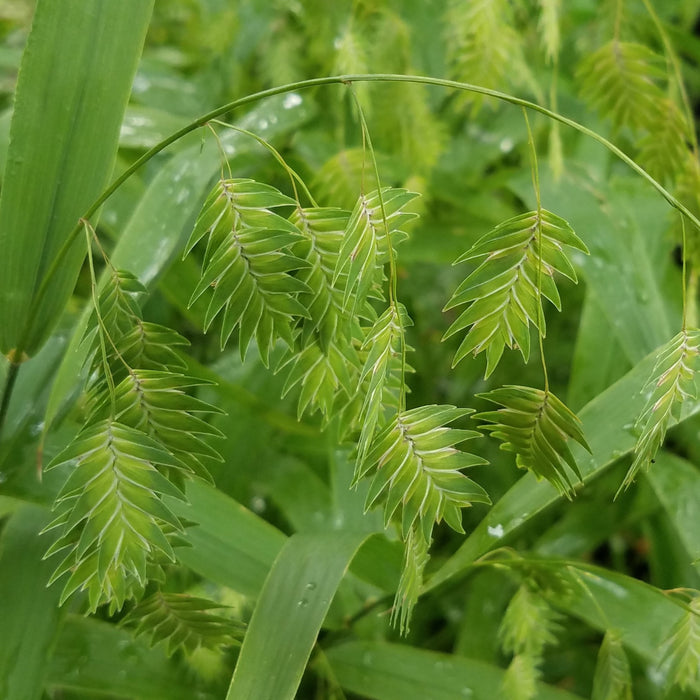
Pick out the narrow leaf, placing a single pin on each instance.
(78, 65)
(28, 609)
(392, 671)
(298, 590)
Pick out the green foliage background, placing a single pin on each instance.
(275, 508)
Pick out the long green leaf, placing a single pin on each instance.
(26, 406)
(395, 672)
(74, 84)
(289, 614)
(230, 545)
(588, 379)
(29, 612)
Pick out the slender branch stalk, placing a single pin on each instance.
(536, 185)
(349, 79)
(393, 276)
(691, 305)
(293, 175)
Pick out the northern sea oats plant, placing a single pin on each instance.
(247, 401)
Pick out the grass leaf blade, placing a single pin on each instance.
(298, 590)
(78, 65)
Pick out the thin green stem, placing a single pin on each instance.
(393, 277)
(102, 330)
(684, 274)
(536, 185)
(618, 19)
(222, 151)
(293, 175)
(555, 150)
(691, 308)
(335, 80)
(364, 132)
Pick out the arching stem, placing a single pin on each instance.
(302, 85)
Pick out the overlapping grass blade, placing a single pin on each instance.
(241, 563)
(298, 590)
(29, 611)
(79, 65)
(385, 671)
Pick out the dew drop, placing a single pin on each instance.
(496, 531)
(302, 603)
(506, 145)
(141, 84)
(311, 586)
(258, 504)
(291, 100)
